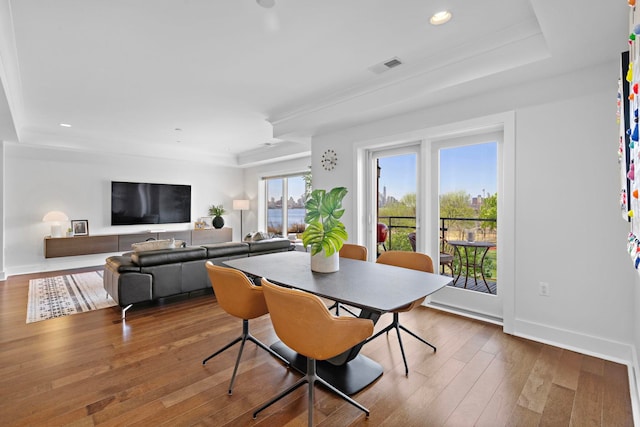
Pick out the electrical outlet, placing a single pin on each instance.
(544, 289)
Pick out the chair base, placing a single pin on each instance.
(395, 324)
(310, 378)
(246, 336)
(349, 378)
(338, 306)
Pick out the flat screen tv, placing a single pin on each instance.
(142, 203)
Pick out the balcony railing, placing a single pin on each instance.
(451, 228)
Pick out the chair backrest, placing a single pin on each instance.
(412, 240)
(351, 251)
(235, 293)
(412, 260)
(303, 323)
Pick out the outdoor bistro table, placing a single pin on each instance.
(374, 288)
(469, 262)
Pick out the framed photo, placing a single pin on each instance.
(80, 227)
(199, 225)
(207, 221)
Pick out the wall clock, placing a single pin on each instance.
(329, 160)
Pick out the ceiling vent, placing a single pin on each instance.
(385, 66)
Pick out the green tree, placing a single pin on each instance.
(489, 210)
(457, 204)
(409, 200)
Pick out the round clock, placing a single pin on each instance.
(329, 160)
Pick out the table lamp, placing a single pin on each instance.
(55, 218)
(241, 205)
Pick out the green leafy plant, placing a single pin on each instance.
(216, 210)
(324, 229)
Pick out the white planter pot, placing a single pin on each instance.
(325, 264)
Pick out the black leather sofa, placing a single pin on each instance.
(152, 275)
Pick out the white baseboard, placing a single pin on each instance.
(581, 343)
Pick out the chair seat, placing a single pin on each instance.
(445, 258)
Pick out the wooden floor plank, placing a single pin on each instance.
(587, 409)
(93, 369)
(616, 405)
(557, 411)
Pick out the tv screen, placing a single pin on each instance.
(143, 203)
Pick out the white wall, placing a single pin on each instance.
(38, 180)
(2, 210)
(568, 229)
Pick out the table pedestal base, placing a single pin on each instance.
(349, 378)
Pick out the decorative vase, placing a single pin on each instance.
(218, 222)
(320, 263)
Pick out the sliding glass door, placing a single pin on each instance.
(464, 177)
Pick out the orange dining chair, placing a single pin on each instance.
(351, 251)
(414, 261)
(239, 297)
(305, 325)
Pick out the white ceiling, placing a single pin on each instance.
(234, 76)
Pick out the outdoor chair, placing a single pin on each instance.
(445, 257)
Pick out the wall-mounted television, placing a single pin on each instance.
(143, 203)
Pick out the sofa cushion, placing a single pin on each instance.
(168, 256)
(226, 249)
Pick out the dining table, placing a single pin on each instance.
(373, 288)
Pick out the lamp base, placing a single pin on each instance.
(56, 230)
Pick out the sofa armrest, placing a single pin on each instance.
(122, 264)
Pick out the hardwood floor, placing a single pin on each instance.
(93, 369)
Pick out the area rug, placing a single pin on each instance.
(59, 296)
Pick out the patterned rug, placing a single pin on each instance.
(59, 296)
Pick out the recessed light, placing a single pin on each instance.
(65, 125)
(440, 18)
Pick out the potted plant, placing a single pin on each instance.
(216, 211)
(325, 233)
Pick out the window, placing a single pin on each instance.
(285, 197)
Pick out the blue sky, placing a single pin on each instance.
(470, 168)
(296, 187)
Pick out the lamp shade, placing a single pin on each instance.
(241, 205)
(55, 216)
